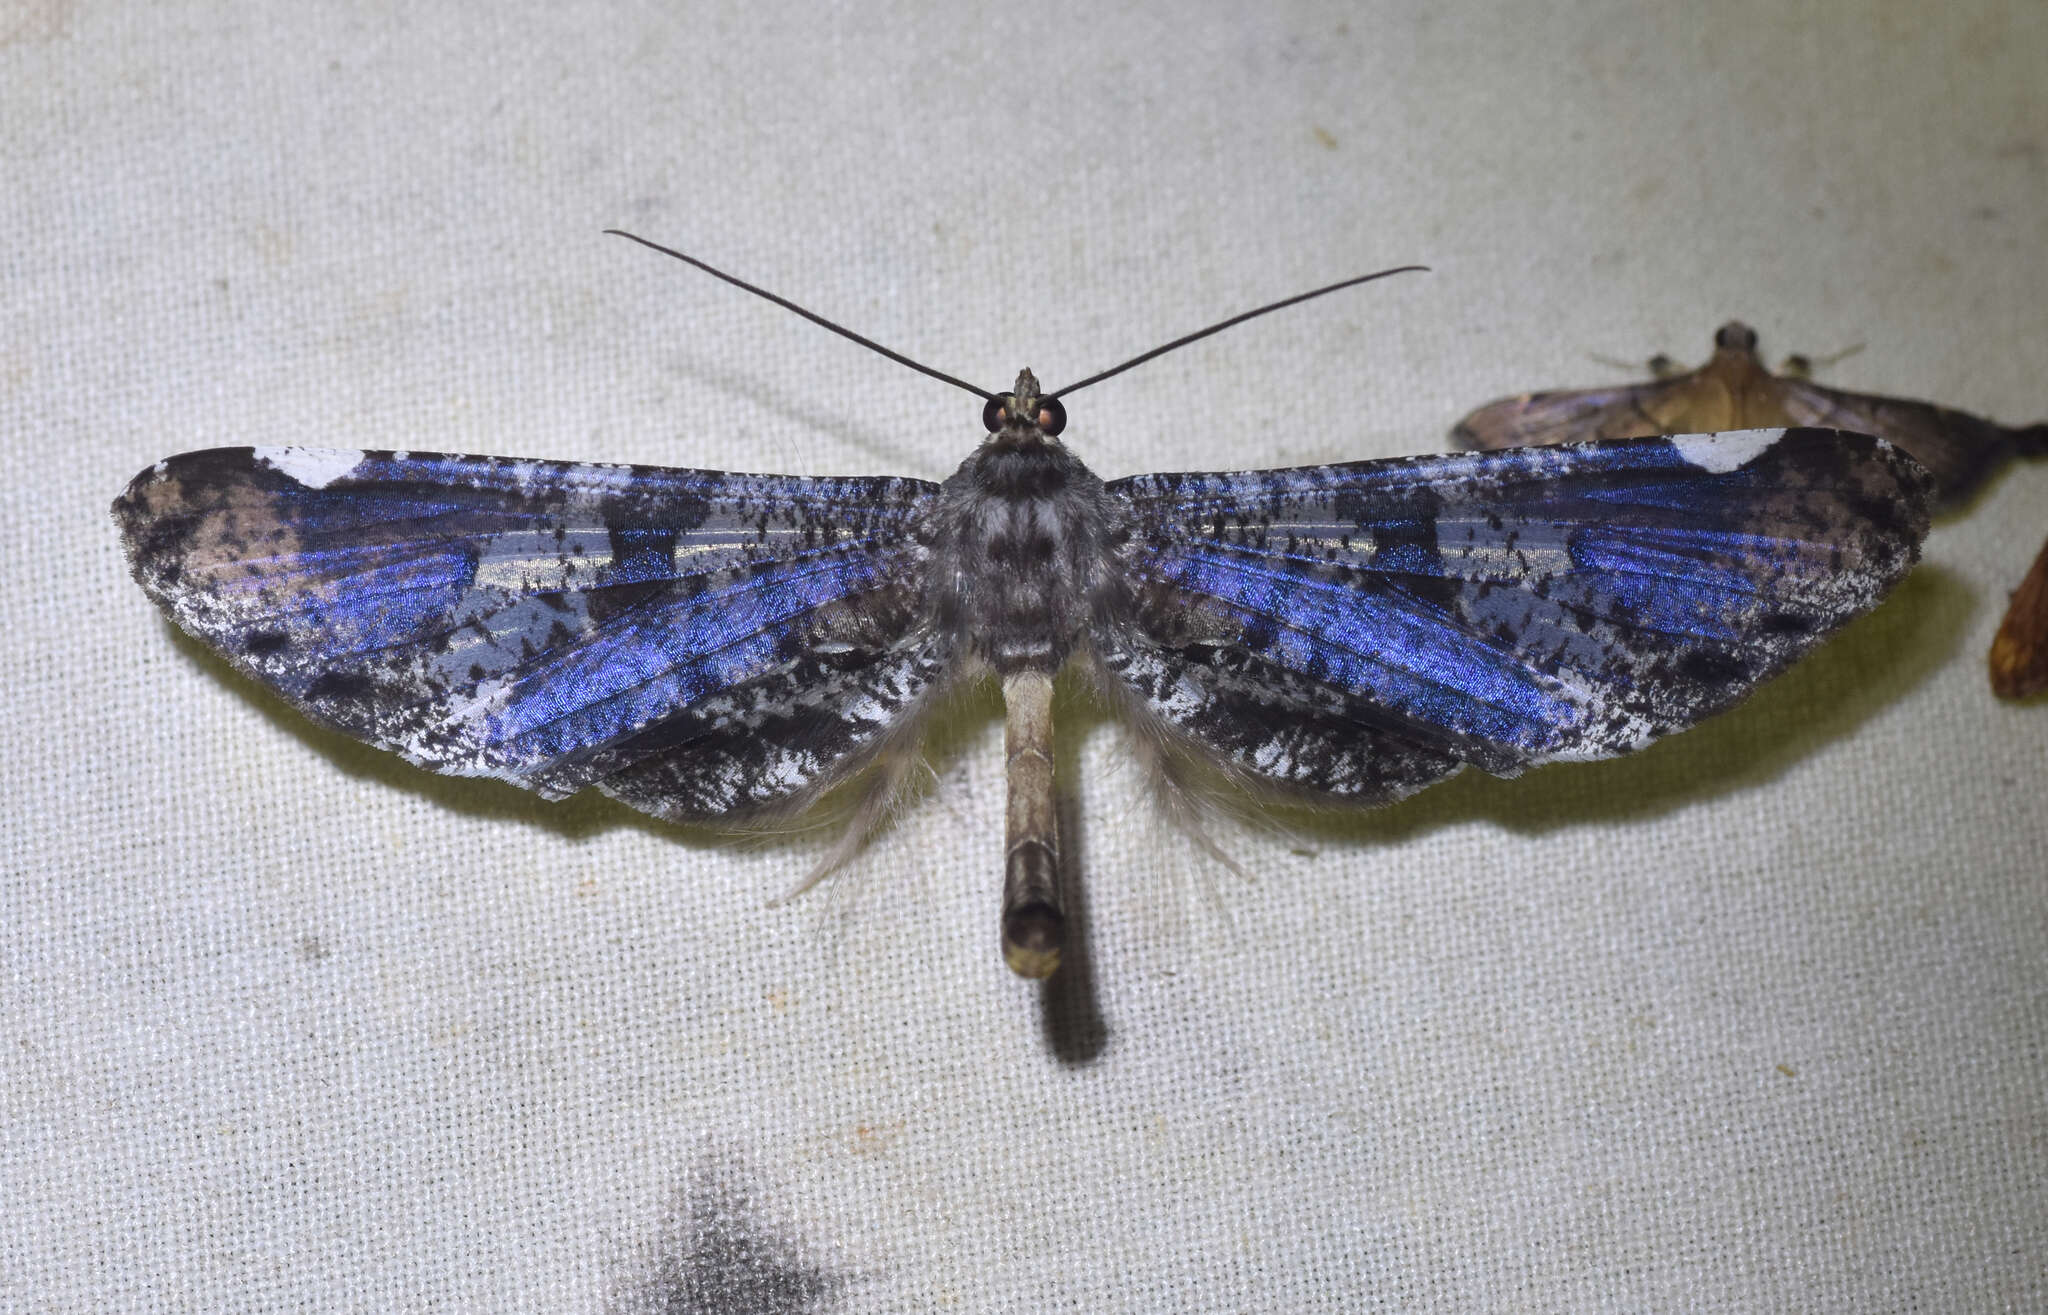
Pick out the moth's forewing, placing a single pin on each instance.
(1356, 631)
(2019, 652)
(700, 642)
(1570, 415)
(1960, 450)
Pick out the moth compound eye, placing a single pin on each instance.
(1052, 417)
(996, 412)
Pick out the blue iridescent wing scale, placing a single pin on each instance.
(700, 643)
(1356, 631)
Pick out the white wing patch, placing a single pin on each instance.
(1721, 453)
(314, 467)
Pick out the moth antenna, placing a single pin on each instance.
(812, 316)
(1221, 325)
(1803, 365)
(983, 394)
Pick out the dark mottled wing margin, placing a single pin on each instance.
(1960, 450)
(699, 643)
(1357, 631)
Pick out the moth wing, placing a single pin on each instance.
(2019, 652)
(1569, 415)
(549, 623)
(1394, 620)
(1960, 450)
(1266, 728)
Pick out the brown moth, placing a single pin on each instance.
(1735, 390)
(2019, 653)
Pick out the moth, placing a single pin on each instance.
(2019, 652)
(1735, 390)
(709, 646)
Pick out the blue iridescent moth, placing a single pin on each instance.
(1735, 390)
(708, 646)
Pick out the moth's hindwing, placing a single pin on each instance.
(701, 642)
(1355, 631)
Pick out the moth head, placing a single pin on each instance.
(1735, 336)
(1022, 407)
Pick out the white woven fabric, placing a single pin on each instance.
(1757, 1020)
